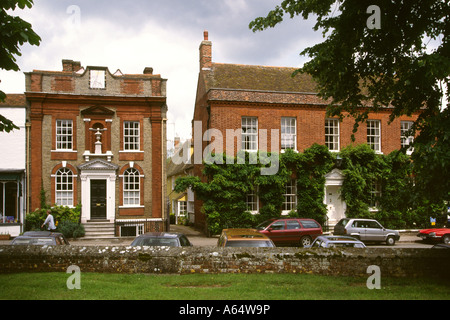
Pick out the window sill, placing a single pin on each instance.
(284, 150)
(64, 151)
(131, 207)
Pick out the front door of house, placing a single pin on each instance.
(335, 205)
(98, 199)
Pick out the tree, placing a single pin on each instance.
(375, 54)
(14, 32)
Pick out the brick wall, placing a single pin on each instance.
(310, 124)
(67, 95)
(187, 260)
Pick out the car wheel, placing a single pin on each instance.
(390, 241)
(446, 239)
(305, 241)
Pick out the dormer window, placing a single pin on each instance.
(97, 79)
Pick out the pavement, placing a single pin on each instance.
(197, 238)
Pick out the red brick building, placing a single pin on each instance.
(249, 99)
(98, 139)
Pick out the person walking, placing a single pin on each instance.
(50, 221)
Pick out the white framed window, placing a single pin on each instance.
(290, 196)
(332, 134)
(374, 134)
(249, 128)
(182, 207)
(252, 202)
(405, 137)
(64, 135)
(131, 136)
(131, 188)
(288, 133)
(97, 79)
(64, 187)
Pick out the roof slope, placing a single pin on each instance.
(261, 78)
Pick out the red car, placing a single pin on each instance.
(291, 231)
(436, 234)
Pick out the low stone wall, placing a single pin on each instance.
(164, 260)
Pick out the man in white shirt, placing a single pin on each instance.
(50, 221)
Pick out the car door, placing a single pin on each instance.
(293, 232)
(374, 231)
(276, 232)
(357, 229)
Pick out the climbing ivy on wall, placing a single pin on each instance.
(311, 167)
(398, 204)
(225, 187)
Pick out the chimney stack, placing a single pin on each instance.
(148, 70)
(205, 52)
(71, 66)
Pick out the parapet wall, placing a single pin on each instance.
(186, 260)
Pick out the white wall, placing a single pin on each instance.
(12, 144)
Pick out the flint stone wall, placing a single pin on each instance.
(164, 260)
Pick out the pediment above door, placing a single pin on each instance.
(97, 111)
(98, 164)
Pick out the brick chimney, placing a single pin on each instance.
(71, 66)
(148, 70)
(205, 52)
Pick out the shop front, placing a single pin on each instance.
(11, 203)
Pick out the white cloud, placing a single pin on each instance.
(164, 35)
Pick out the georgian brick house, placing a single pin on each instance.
(248, 98)
(98, 139)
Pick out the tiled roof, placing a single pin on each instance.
(263, 78)
(176, 169)
(14, 100)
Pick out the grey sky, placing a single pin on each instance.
(165, 35)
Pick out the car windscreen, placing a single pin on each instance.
(33, 241)
(168, 242)
(253, 243)
(263, 225)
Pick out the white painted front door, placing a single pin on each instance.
(335, 205)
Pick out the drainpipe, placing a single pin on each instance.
(27, 173)
(163, 178)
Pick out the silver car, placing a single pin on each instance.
(336, 242)
(367, 230)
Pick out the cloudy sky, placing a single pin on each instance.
(133, 34)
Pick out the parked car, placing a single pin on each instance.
(291, 231)
(40, 238)
(336, 241)
(168, 239)
(243, 238)
(366, 230)
(435, 234)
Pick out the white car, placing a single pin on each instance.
(336, 242)
(366, 230)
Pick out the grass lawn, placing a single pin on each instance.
(30, 286)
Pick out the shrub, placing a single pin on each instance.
(61, 215)
(71, 229)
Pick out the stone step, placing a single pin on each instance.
(99, 230)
